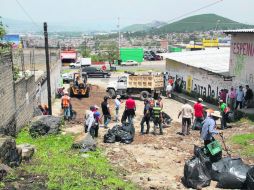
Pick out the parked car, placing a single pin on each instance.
(75, 65)
(130, 63)
(94, 72)
(67, 77)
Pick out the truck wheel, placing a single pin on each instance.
(112, 93)
(71, 92)
(87, 92)
(144, 95)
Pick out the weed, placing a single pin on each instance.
(247, 143)
(66, 169)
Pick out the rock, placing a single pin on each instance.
(44, 125)
(9, 153)
(85, 142)
(153, 187)
(174, 148)
(116, 149)
(141, 178)
(149, 179)
(4, 170)
(27, 151)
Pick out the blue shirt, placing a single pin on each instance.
(208, 129)
(239, 95)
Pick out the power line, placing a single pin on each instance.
(196, 10)
(28, 15)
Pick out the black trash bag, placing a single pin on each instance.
(230, 117)
(119, 135)
(250, 179)
(166, 119)
(126, 138)
(230, 173)
(195, 174)
(205, 159)
(115, 130)
(109, 138)
(129, 128)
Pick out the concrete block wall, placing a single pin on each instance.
(7, 100)
(55, 82)
(24, 91)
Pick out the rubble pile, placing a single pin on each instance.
(45, 125)
(9, 153)
(85, 142)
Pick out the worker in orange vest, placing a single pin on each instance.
(66, 102)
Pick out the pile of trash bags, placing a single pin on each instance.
(230, 173)
(120, 133)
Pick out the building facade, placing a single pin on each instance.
(242, 57)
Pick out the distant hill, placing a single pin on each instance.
(204, 22)
(143, 27)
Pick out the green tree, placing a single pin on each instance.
(2, 29)
(111, 52)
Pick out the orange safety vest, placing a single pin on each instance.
(65, 101)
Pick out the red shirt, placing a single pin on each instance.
(130, 103)
(198, 110)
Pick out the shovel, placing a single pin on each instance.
(223, 141)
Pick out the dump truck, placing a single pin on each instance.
(79, 86)
(142, 85)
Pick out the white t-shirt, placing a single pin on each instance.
(117, 103)
(187, 111)
(169, 88)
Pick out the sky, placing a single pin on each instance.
(106, 12)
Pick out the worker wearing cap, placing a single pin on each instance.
(198, 113)
(224, 109)
(209, 128)
(117, 107)
(90, 120)
(106, 111)
(146, 117)
(157, 118)
(97, 121)
(65, 102)
(130, 107)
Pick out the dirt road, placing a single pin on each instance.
(152, 162)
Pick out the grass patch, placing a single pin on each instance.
(66, 169)
(245, 120)
(247, 143)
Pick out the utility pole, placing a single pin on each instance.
(119, 35)
(47, 66)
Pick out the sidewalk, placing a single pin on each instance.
(240, 113)
(182, 97)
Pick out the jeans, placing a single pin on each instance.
(130, 119)
(117, 114)
(223, 121)
(157, 121)
(147, 121)
(67, 113)
(186, 123)
(197, 123)
(239, 103)
(107, 119)
(94, 130)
